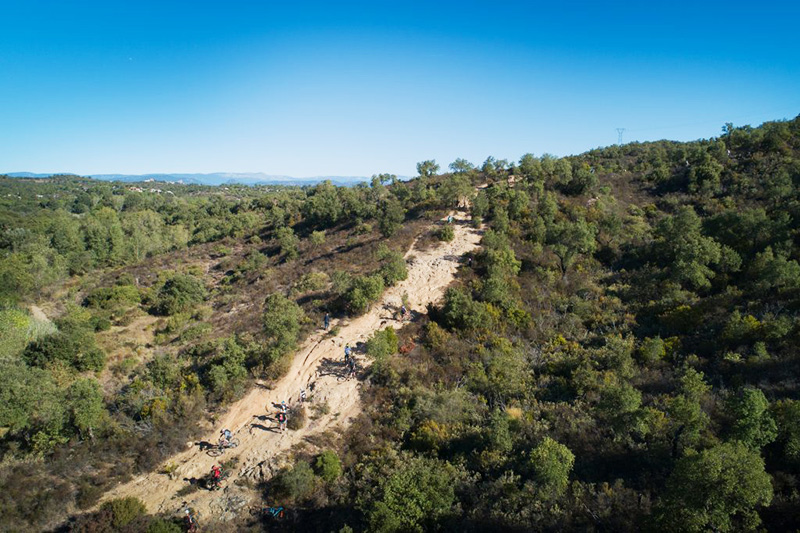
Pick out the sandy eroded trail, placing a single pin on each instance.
(317, 362)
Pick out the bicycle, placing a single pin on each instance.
(219, 449)
(212, 484)
(271, 513)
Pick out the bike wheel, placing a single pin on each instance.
(215, 452)
(233, 443)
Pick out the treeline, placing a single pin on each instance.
(621, 355)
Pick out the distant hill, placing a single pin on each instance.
(214, 178)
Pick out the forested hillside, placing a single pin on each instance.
(619, 356)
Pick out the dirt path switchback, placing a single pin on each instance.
(318, 364)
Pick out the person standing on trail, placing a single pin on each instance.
(224, 438)
(282, 421)
(327, 320)
(302, 395)
(190, 521)
(283, 406)
(347, 351)
(216, 477)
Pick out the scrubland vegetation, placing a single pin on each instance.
(620, 355)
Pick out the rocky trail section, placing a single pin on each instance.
(319, 369)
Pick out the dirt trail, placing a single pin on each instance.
(318, 363)
(38, 313)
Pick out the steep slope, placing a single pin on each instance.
(318, 366)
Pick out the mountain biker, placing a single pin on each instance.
(224, 438)
(403, 312)
(190, 521)
(216, 476)
(351, 365)
(282, 421)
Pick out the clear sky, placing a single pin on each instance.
(359, 88)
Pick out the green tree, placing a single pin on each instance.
(328, 466)
(323, 207)
(288, 242)
(681, 245)
(686, 415)
(363, 292)
(568, 240)
(85, 405)
(787, 416)
(427, 168)
(390, 216)
(413, 497)
(752, 423)
(382, 344)
(551, 463)
(282, 320)
(718, 489)
(393, 265)
(453, 189)
(461, 166)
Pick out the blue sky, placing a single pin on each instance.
(359, 88)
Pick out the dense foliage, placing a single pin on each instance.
(620, 354)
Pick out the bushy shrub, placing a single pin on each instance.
(328, 466)
(461, 311)
(124, 510)
(161, 525)
(281, 320)
(179, 294)
(297, 418)
(364, 291)
(113, 297)
(446, 233)
(76, 348)
(413, 497)
(288, 242)
(393, 266)
(382, 344)
(297, 483)
(313, 281)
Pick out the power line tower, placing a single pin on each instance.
(620, 131)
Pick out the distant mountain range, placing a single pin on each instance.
(215, 178)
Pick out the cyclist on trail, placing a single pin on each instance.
(347, 352)
(216, 476)
(190, 521)
(282, 421)
(224, 438)
(351, 366)
(403, 312)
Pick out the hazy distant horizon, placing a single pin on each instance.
(314, 88)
